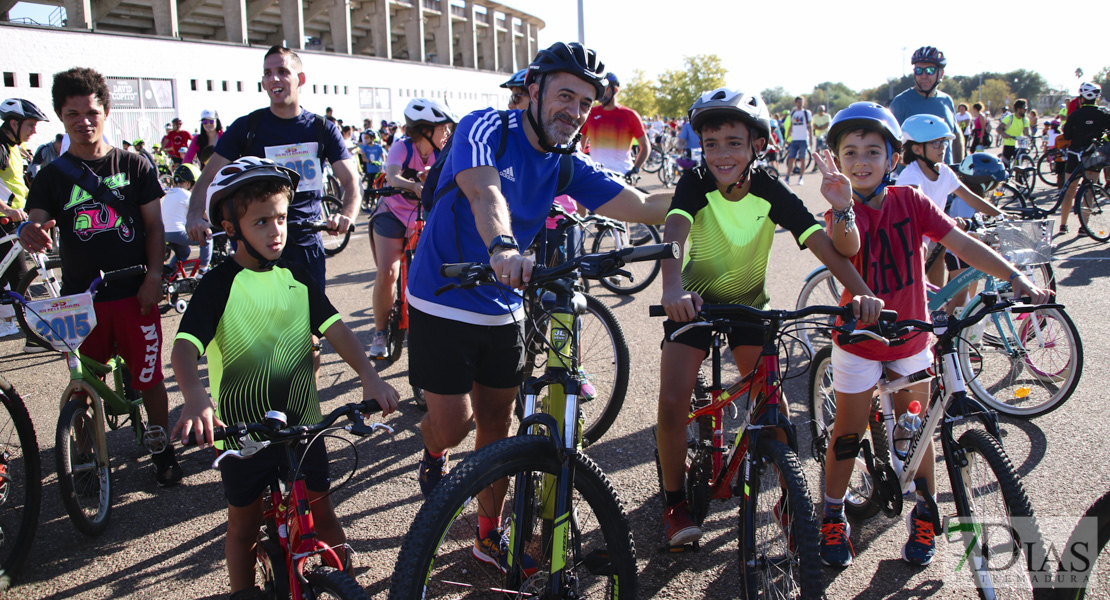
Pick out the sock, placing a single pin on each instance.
(834, 507)
(432, 456)
(487, 524)
(923, 497)
(674, 498)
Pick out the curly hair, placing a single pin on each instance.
(79, 81)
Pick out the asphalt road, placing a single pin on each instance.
(168, 543)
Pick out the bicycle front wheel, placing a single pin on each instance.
(603, 364)
(1094, 211)
(326, 582)
(437, 557)
(84, 475)
(333, 244)
(1046, 169)
(20, 486)
(1022, 365)
(653, 162)
(820, 289)
(643, 272)
(37, 285)
(996, 526)
(779, 556)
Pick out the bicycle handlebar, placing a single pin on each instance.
(276, 432)
(710, 312)
(319, 226)
(392, 191)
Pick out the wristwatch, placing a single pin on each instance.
(503, 242)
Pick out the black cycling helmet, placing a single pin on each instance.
(929, 54)
(612, 79)
(21, 110)
(982, 172)
(571, 58)
(517, 80)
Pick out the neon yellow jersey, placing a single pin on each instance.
(1016, 128)
(13, 176)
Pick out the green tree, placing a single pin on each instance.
(1026, 84)
(995, 93)
(639, 93)
(834, 96)
(678, 88)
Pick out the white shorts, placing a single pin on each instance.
(853, 374)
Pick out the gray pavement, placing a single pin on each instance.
(168, 543)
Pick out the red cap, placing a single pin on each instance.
(914, 407)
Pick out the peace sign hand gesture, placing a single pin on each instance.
(835, 186)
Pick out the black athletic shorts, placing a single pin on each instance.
(702, 337)
(448, 357)
(245, 479)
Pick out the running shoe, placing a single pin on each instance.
(494, 549)
(431, 471)
(836, 547)
(680, 526)
(378, 345)
(921, 546)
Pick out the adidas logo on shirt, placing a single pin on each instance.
(508, 174)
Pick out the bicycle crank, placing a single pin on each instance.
(885, 488)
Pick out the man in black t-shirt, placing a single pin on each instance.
(1084, 125)
(104, 235)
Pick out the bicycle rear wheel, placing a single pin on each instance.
(1022, 365)
(602, 360)
(822, 405)
(1074, 575)
(326, 582)
(1010, 199)
(996, 522)
(1094, 211)
(779, 556)
(333, 244)
(1046, 169)
(436, 558)
(36, 285)
(20, 484)
(84, 475)
(643, 272)
(653, 162)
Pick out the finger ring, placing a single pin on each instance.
(504, 276)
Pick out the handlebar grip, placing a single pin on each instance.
(657, 310)
(218, 433)
(456, 269)
(110, 276)
(650, 252)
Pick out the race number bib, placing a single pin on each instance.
(64, 322)
(303, 159)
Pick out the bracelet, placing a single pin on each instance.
(1014, 276)
(846, 216)
(19, 228)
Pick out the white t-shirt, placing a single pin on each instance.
(1050, 137)
(939, 190)
(799, 121)
(963, 121)
(174, 206)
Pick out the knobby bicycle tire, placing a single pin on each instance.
(779, 555)
(602, 358)
(85, 487)
(435, 558)
(22, 488)
(333, 244)
(643, 272)
(1094, 211)
(699, 469)
(270, 564)
(395, 336)
(822, 407)
(989, 497)
(327, 582)
(32, 287)
(1067, 588)
(1017, 370)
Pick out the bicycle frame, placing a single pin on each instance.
(406, 261)
(86, 376)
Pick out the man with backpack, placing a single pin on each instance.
(801, 132)
(293, 137)
(492, 195)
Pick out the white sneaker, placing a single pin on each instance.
(377, 345)
(9, 327)
(800, 182)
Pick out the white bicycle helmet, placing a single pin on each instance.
(424, 110)
(925, 128)
(238, 173)
(749, 108)
(1088, 90)
(20, 109)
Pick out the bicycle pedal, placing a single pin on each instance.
(155, 439)
(691, 547)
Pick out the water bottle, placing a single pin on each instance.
(904, 430)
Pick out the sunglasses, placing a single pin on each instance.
(938, 144)
(924, 70)
(515, 98)
(207, 121)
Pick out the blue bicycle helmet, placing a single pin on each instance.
(517, 80)
(925, 128)
(982, 172)
(868, 115)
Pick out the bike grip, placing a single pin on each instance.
(218, 433)
(657, 310)
(650, 252)
(110, 276)
(456, 269)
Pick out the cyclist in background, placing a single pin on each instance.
(1086, 124)
(689, 143)
(427, 127)
(728, 212)
(1011, 127)
(372, 154)
(925, 97)
(610, 130)
(801, 133)
(518, 98)
(175, 206)
(176, 141)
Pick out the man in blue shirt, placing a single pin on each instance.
(925, 96)
(690, 145)
(465, 346)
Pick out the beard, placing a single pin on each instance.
(560, 129)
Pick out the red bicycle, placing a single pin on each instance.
(290, 556)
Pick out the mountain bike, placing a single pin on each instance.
(20, 484)
(40, 280)
(1076, 573)
(562, 512)
(778, 537)
(1022, 366)
(994, 519)
(291, 558)
(89, 405)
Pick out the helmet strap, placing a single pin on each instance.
(264, 264)
(747, 168)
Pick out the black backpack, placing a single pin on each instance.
(431, 194)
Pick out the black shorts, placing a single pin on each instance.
(702, 337)
(245, 479)
(387, 225)
(448, 357)
(954, 263)
(1073, 163)
(1008, 152)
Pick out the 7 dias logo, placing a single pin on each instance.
(1011, 553)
